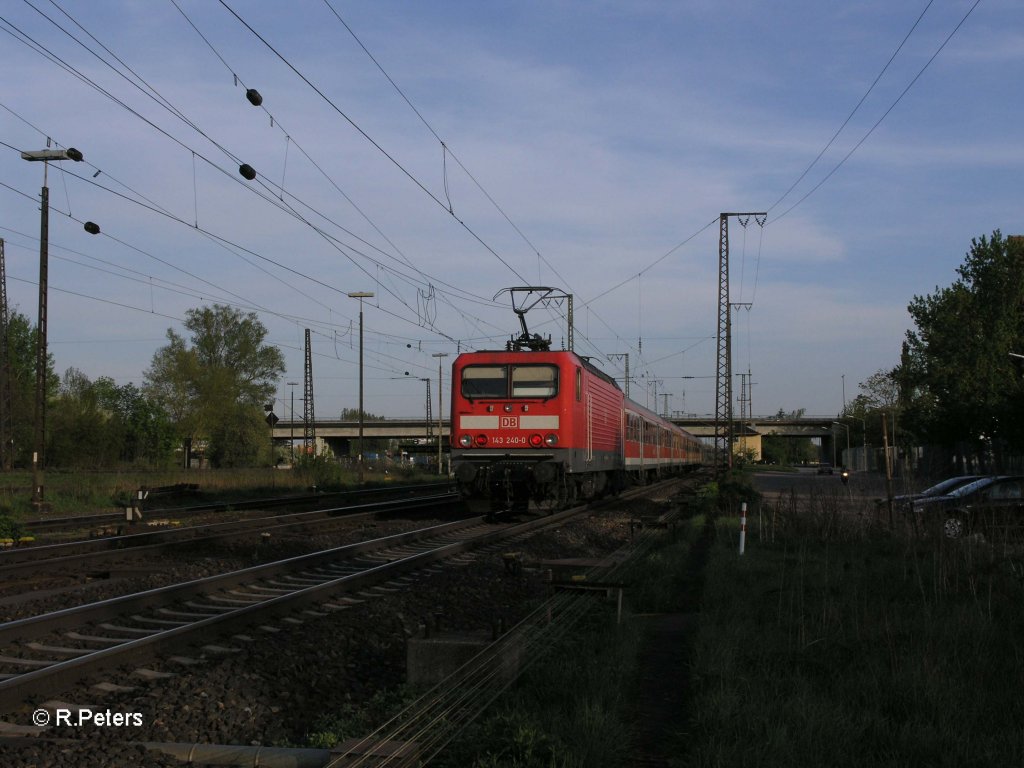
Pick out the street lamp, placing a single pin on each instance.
(847, 428)
(440, 407)
(291, 422)
(361, 295)
(45, 156)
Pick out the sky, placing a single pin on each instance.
(438, 153)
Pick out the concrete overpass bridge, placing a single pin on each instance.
(748, 433)
(339, 435)
(805, 426)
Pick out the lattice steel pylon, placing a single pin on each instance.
(429, 413)
(723, 371)
(308, 419)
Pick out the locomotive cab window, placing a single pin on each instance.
(534, 381)
(485, 381)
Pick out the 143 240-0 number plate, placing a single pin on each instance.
(509, 440)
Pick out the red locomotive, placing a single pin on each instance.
(530, 423)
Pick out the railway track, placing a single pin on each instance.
(79, 522)
(68, 556)
(45, 654)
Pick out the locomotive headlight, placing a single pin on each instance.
(481, 439)
(536, 441)
(465, 441)
(508, 408)
(551, 439)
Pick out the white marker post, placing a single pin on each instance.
(743, 527)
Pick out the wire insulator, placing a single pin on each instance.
(254, 97)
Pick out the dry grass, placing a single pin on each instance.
(836, 642)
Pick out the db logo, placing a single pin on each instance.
(509, 422)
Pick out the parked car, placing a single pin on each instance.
(972, 509)
(904, 501)
(824, 468)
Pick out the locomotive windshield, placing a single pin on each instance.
(534, 380)
(485, 381)
(495, 381)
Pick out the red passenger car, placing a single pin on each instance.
(551, 427)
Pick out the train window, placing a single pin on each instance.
(534, 381)
(579, 384)
(485, 381)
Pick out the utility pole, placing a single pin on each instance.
(440, 407)
(666, 396)
(6, 417)
(744, 398)
(46, 156)
(429, 419)
(291, 422)
(723, 371)
(308, 417)
(569, 324)
(655, 383)
(361, 295)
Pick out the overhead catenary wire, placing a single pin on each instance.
(290, 139)
(219, 239)
(163, 102)
(244, 305)
(444, 316)
(370, 139)
(825, 148)
(446, 151)
(885, 114)
(855, 109)
(194, 153)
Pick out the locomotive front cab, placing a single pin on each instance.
(508, 424)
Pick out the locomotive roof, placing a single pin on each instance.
(583, 361)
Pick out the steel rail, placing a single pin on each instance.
(433, 720)
(82, 521)
(19, 562)
(58, 675)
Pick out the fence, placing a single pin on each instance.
(933, 461)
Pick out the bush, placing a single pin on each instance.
(10, 528)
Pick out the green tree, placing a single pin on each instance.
(22, 338)
(141, 430)
(879, 395)
(788, 450)
(100, 424)
(77, 430)
(370, 445)
(215, 387)
(957, 372)
(238, 438)
(352, 414)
